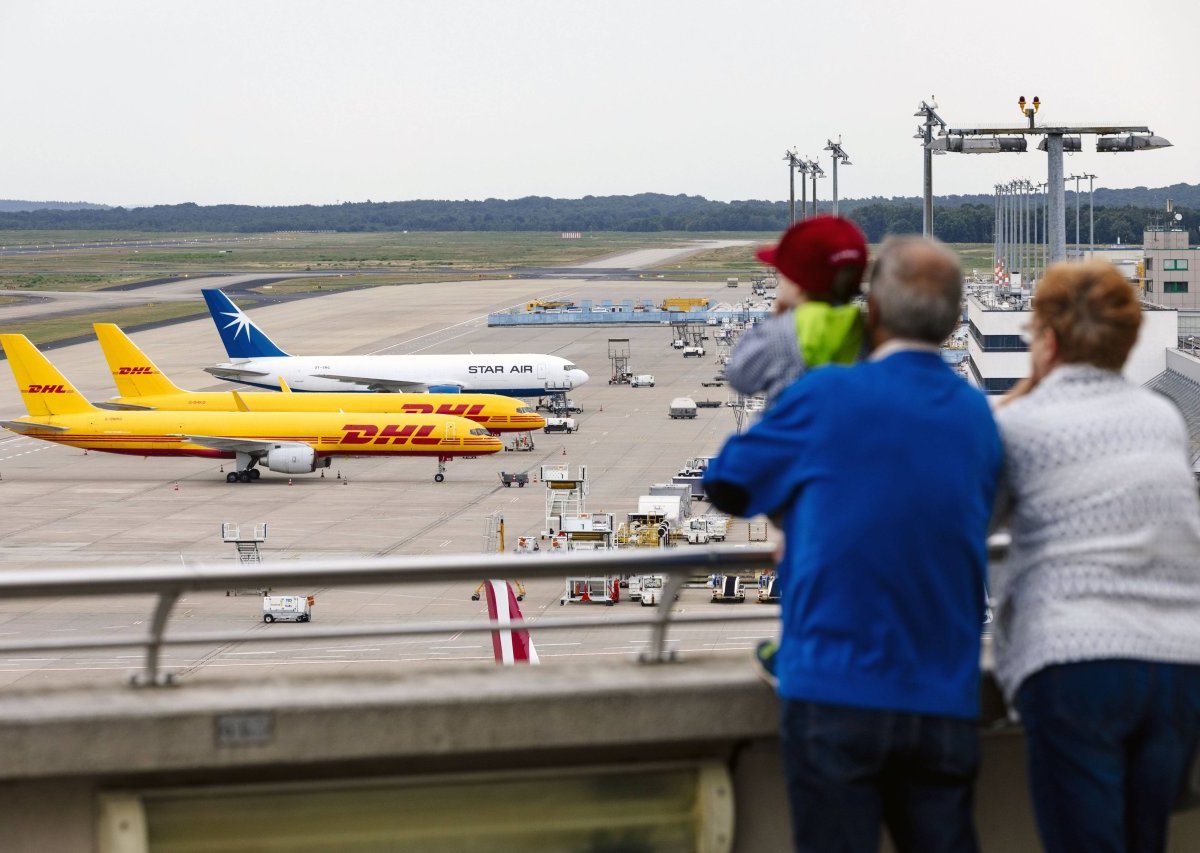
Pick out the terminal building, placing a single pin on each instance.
(1166, 269)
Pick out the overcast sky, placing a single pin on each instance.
(138, 103)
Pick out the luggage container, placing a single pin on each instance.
(682, 407)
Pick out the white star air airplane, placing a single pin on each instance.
(284, 442)
(257, 361)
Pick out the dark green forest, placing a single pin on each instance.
(1119, 215)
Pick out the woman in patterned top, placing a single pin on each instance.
(1097, 634)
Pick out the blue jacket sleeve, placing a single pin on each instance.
(762, 470)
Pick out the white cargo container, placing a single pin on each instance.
(288, 608)
(670, 507)
(682, 407)
(642, 379)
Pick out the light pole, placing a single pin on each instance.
(1077, 179)
(792, 160)
(837, 154)
(815, 171)
(1091, 217)
(925, 133)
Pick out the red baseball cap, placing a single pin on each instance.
(813, 251)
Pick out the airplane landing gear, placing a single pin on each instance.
(246, 471)
(441, 471)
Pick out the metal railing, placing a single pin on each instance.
(167, 584)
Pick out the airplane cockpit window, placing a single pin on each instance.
(525, 410)
(480, 431)
(569, 367)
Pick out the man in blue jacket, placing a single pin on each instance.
(882, 476)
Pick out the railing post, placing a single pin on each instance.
(658, 651)
(150, 676)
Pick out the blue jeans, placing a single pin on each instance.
(851, 770)
(1109, 743)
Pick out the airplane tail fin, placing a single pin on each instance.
(241, 337)
(511, 645)
(44, 390)
(132, 370)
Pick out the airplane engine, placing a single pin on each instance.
(290, 459)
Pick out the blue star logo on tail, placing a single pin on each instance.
(239, 323)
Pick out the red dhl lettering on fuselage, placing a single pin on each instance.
(46, 389)
(461, 409)
(389, 434)
(134, 371)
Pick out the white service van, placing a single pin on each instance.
(644, 379)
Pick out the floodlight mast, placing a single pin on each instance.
(925, 132)
(1116, 138)
(837, 154)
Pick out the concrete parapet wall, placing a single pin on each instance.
(61, 751)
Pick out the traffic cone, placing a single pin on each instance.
(177, 486)
(222, 469)
(289, 481)
(564, 451)
(322, 473)
(339, 476)
(345, 482)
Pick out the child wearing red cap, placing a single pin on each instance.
(821, 263)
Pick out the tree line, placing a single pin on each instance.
(958, 219)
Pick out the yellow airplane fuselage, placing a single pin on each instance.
(496, 413)
(159, 433)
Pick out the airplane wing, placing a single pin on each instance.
(25, 427)
(224, 371)
(123, 407)
(374, 383)
(253, 446)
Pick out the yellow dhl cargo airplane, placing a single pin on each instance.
(284, 442)
(143, 386)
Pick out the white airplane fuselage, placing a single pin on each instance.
(514, 375)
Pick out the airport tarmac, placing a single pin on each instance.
(67, 508)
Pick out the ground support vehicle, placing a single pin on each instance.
(703, 529)
(709, 404)
(508, 479)
(652, 589)
(641, 380)
(768, 589)
(600, 590)
(693, 352)
(288, 608)
(566, 425)
(728, 589)
(520, 441)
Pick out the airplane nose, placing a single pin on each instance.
(578, 377)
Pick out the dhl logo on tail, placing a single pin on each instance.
(135, 371)
(46, 389)
(390, 433)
